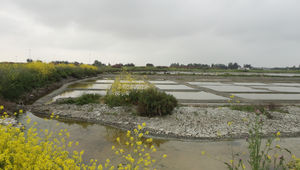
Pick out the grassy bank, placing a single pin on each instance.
(17, 79)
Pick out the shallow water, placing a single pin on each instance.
(196, 96)
(77, 93)
(257, 96)
(232, 88)
(90, 86)
(97, 140)
(173, 87)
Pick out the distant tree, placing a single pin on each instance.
(98, 63)
(149, 65)
(247, 66)
(120, 65)
(175, 65)
(129, 65)
(233, 66)
(29, 60)
(219, 66)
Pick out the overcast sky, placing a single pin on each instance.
(257, 32)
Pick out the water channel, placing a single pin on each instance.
(96, 140)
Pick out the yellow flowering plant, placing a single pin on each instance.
(34, 148)
(136, 150)
(125, 82)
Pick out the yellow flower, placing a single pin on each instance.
(149, 140)
(277, 146)
(269, 157)
(140, 127)
(278, 133)
(140, 135)
(232, 96)
(21, 111)
(164, 156)
(144, 124)
(229, 123)
(113, 147)
(231, 161)
(118, 139)
(203, 153)
(1, 107)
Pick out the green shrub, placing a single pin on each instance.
(116, 100)
(150, 102)
(84, 99)
(155, 103)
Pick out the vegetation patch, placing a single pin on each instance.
(264, 109)
(155, 103)
(17, 79)
(150, 102)
(84, 99)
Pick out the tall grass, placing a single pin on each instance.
(17, 79)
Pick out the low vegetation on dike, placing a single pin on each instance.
(83, 99)
(19, 78)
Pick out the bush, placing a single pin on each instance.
(116, 100)
(155, 103)
(84, 99)
(150, 102)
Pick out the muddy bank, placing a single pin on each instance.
(184, 123)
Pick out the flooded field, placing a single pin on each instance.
(198, 91)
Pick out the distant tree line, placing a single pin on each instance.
(231, 65)
(213, 66)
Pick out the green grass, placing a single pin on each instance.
(82, 100)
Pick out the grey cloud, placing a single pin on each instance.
(207, 31)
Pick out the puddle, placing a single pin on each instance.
(207, 83)
(174, 87)
(269, 96)
(90, 86)
(232, 88)
(162, 82)
(196, 96)
(77, 93)
(96, 140)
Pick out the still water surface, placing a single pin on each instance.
(96, 140)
